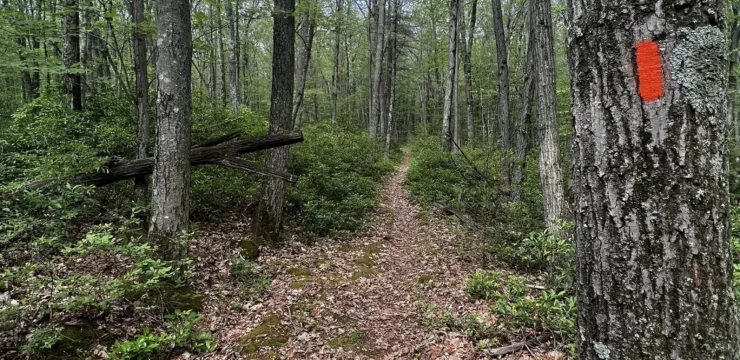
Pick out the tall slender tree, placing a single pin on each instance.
(171, 177)
(306, 33)
(521, 143)
(551, 177)
(376, 99)
(268, 224)
(468, 69)
(654, 263)
(71, 53)
(450, 75)
(502, 60)
(233, 24)
(338, 16)
(142, 93)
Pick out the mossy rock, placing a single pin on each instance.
(363, 272)
(426, 278)
(299, 272)
(250, 249)
(266, 338)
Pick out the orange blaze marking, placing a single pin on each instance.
(649, 70)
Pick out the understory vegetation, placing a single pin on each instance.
(76, 261)
(537, 293)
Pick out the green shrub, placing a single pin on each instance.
(179, 334)
(340, 174)
(484, 284)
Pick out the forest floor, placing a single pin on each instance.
(375, 295)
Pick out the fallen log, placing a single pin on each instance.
(222, 153)
(519, 346)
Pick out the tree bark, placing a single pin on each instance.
(171, 176)
(732, 78)
(268, 224)
(234, 92)
(335, 69)
(452, 28)
(551, 178)
(376, 107)
(305, 45)
(468, 69)
(392, 79)
(221, 56)
(521, 143)
(502, 60)
(141, 186)
(650, 179)
(71, 54)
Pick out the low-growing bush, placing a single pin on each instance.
(179, 334)
(340, 175)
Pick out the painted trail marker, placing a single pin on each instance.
(649, 70)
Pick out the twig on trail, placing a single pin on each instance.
(536, 287)
(519, 346)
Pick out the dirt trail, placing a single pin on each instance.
(371, 296)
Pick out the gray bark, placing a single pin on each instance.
(335, 69)
(392, 79)
(468, 69)
(234, 91)
(452, 27)
(171, 177)
(71, 54)
(551, 178)
(502, 61)
(142, 94)
(650, 179)
(221, 56)
(521, 143)
(376, 106)
(268, 224)
(732, 78)
(305, 45)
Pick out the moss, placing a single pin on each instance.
(76, 340)
(365, 260)
(363, 272)
(250, 249)
(426, 278)
(345, 246)
(269, 335)
(299, 272)
(350, 341)
(269, 355)
(300, 284)
(373, 248)
(180, 297)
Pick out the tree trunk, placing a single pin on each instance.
(232, 22)
(732, 83)
(376, 107)
(468, 69)
(650, 179)
(171, 177)
(551, 178)
(392, 79)
(71, 54)
(521, 143)
(335, 70)
(502, 60)
(305, 45)
(221, 53)
(268, 224)
(452, 26)
(142, 94)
